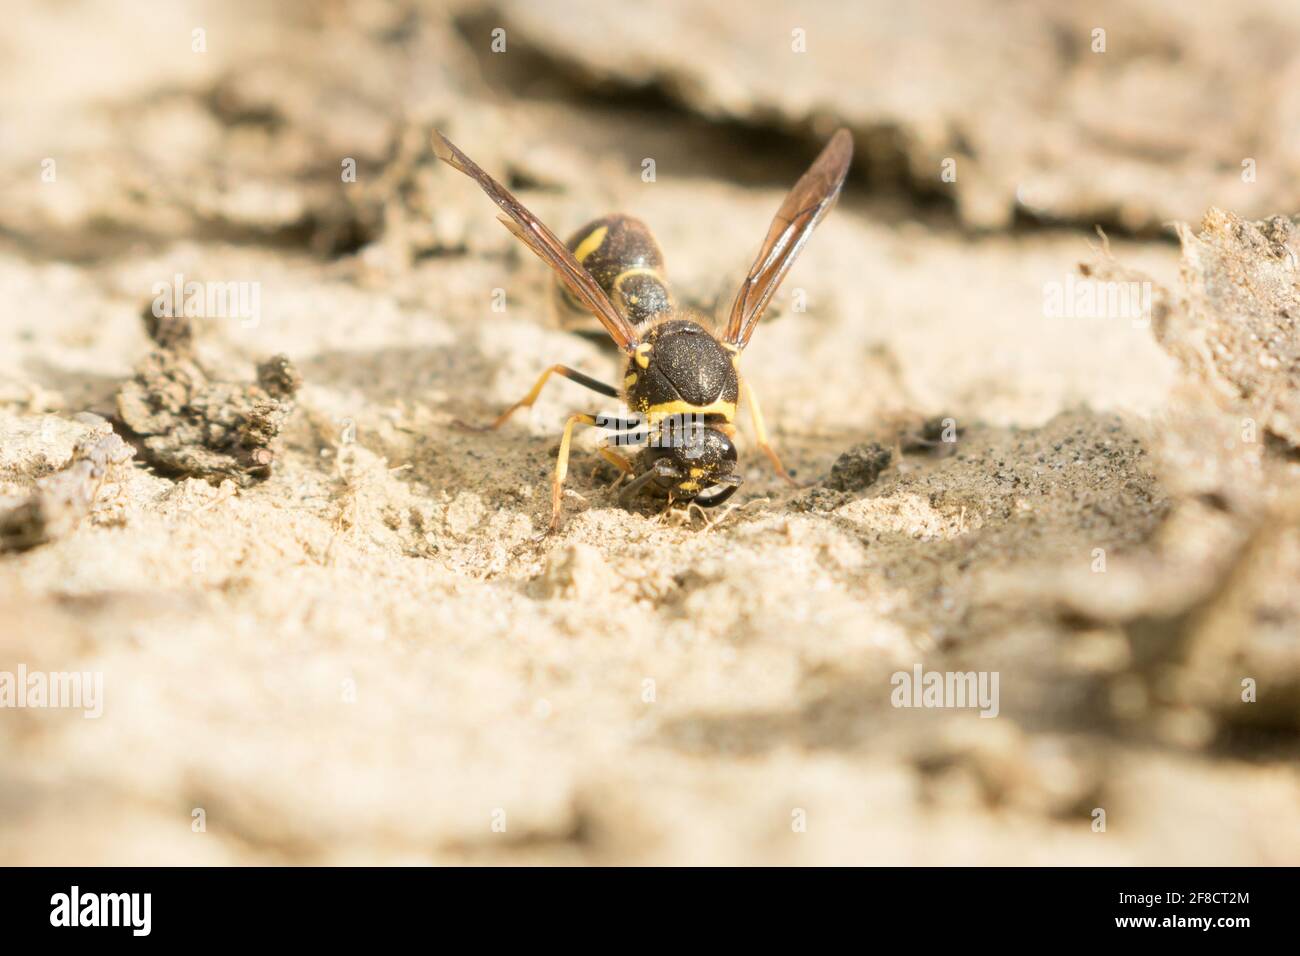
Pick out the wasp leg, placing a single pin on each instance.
(618, 461)
(562, 465)
(635, 485)
(527, 401)
(760, 430)
(661, 469)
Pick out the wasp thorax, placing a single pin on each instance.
(626, 262)
(679, 368)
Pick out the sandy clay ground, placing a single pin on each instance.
(329, 624)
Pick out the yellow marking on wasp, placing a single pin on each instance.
(697, 472)
(591, 243)
(732, 348)
(642, 354)
(630, 380)
(657, 412)
(689, 486)
(636, 271)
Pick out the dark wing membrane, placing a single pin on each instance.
(810, 200)
(530, 230)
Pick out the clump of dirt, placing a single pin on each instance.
(191, 424)
(859, 467)
(61, 500)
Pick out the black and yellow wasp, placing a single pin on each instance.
(681, 381)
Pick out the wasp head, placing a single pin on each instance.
(688, 460)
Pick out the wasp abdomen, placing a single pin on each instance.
(624, 259)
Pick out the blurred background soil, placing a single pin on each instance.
(338, 630)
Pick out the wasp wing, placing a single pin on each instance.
(534, 234)
(810, 200)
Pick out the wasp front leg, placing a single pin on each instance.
(573, 375)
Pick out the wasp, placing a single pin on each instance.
(681, 377)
